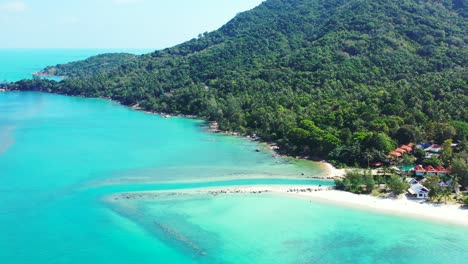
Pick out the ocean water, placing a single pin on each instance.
(61, 158)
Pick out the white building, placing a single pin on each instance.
(418, 191)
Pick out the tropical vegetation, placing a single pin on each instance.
(345, 80)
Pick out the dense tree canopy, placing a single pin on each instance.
(90, 66)
(344, 80)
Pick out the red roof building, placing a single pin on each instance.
(419, 170)
(441, 171)
(430, 170)
(407, 148)
(400, 150)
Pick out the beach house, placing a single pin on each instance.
(411, 181)
(418, 191)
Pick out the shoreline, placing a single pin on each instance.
(401, 207)
(329, 171)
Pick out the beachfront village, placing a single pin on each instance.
(423, 171)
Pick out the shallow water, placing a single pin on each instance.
(267, 228)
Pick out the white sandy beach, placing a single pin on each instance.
(447, 213)
(330, 170)
(444, 213)
(401, 206)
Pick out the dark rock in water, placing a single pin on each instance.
(181, 238)
(257, 150)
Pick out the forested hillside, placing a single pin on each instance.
(89, 67)
(338, 79)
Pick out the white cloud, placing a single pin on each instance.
(127, 2)
(13, 6)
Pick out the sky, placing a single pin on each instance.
(111, 23)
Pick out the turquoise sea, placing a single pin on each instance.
(61, 158)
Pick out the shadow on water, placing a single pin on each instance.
(172, 228)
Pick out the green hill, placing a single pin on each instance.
(89, 67)
(341, 79)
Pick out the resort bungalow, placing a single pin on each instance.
(423, 145)
(400, 150)
(434, 148)
(441, 171)
(398, 153)
(442, 185)
(418, 191)
(430, 171)
(408, 148)
(411, 181)
(419, 170)
(455, 188)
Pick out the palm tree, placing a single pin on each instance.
(368, 155)
(454, 185)
(445, 194)
(435, 194)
